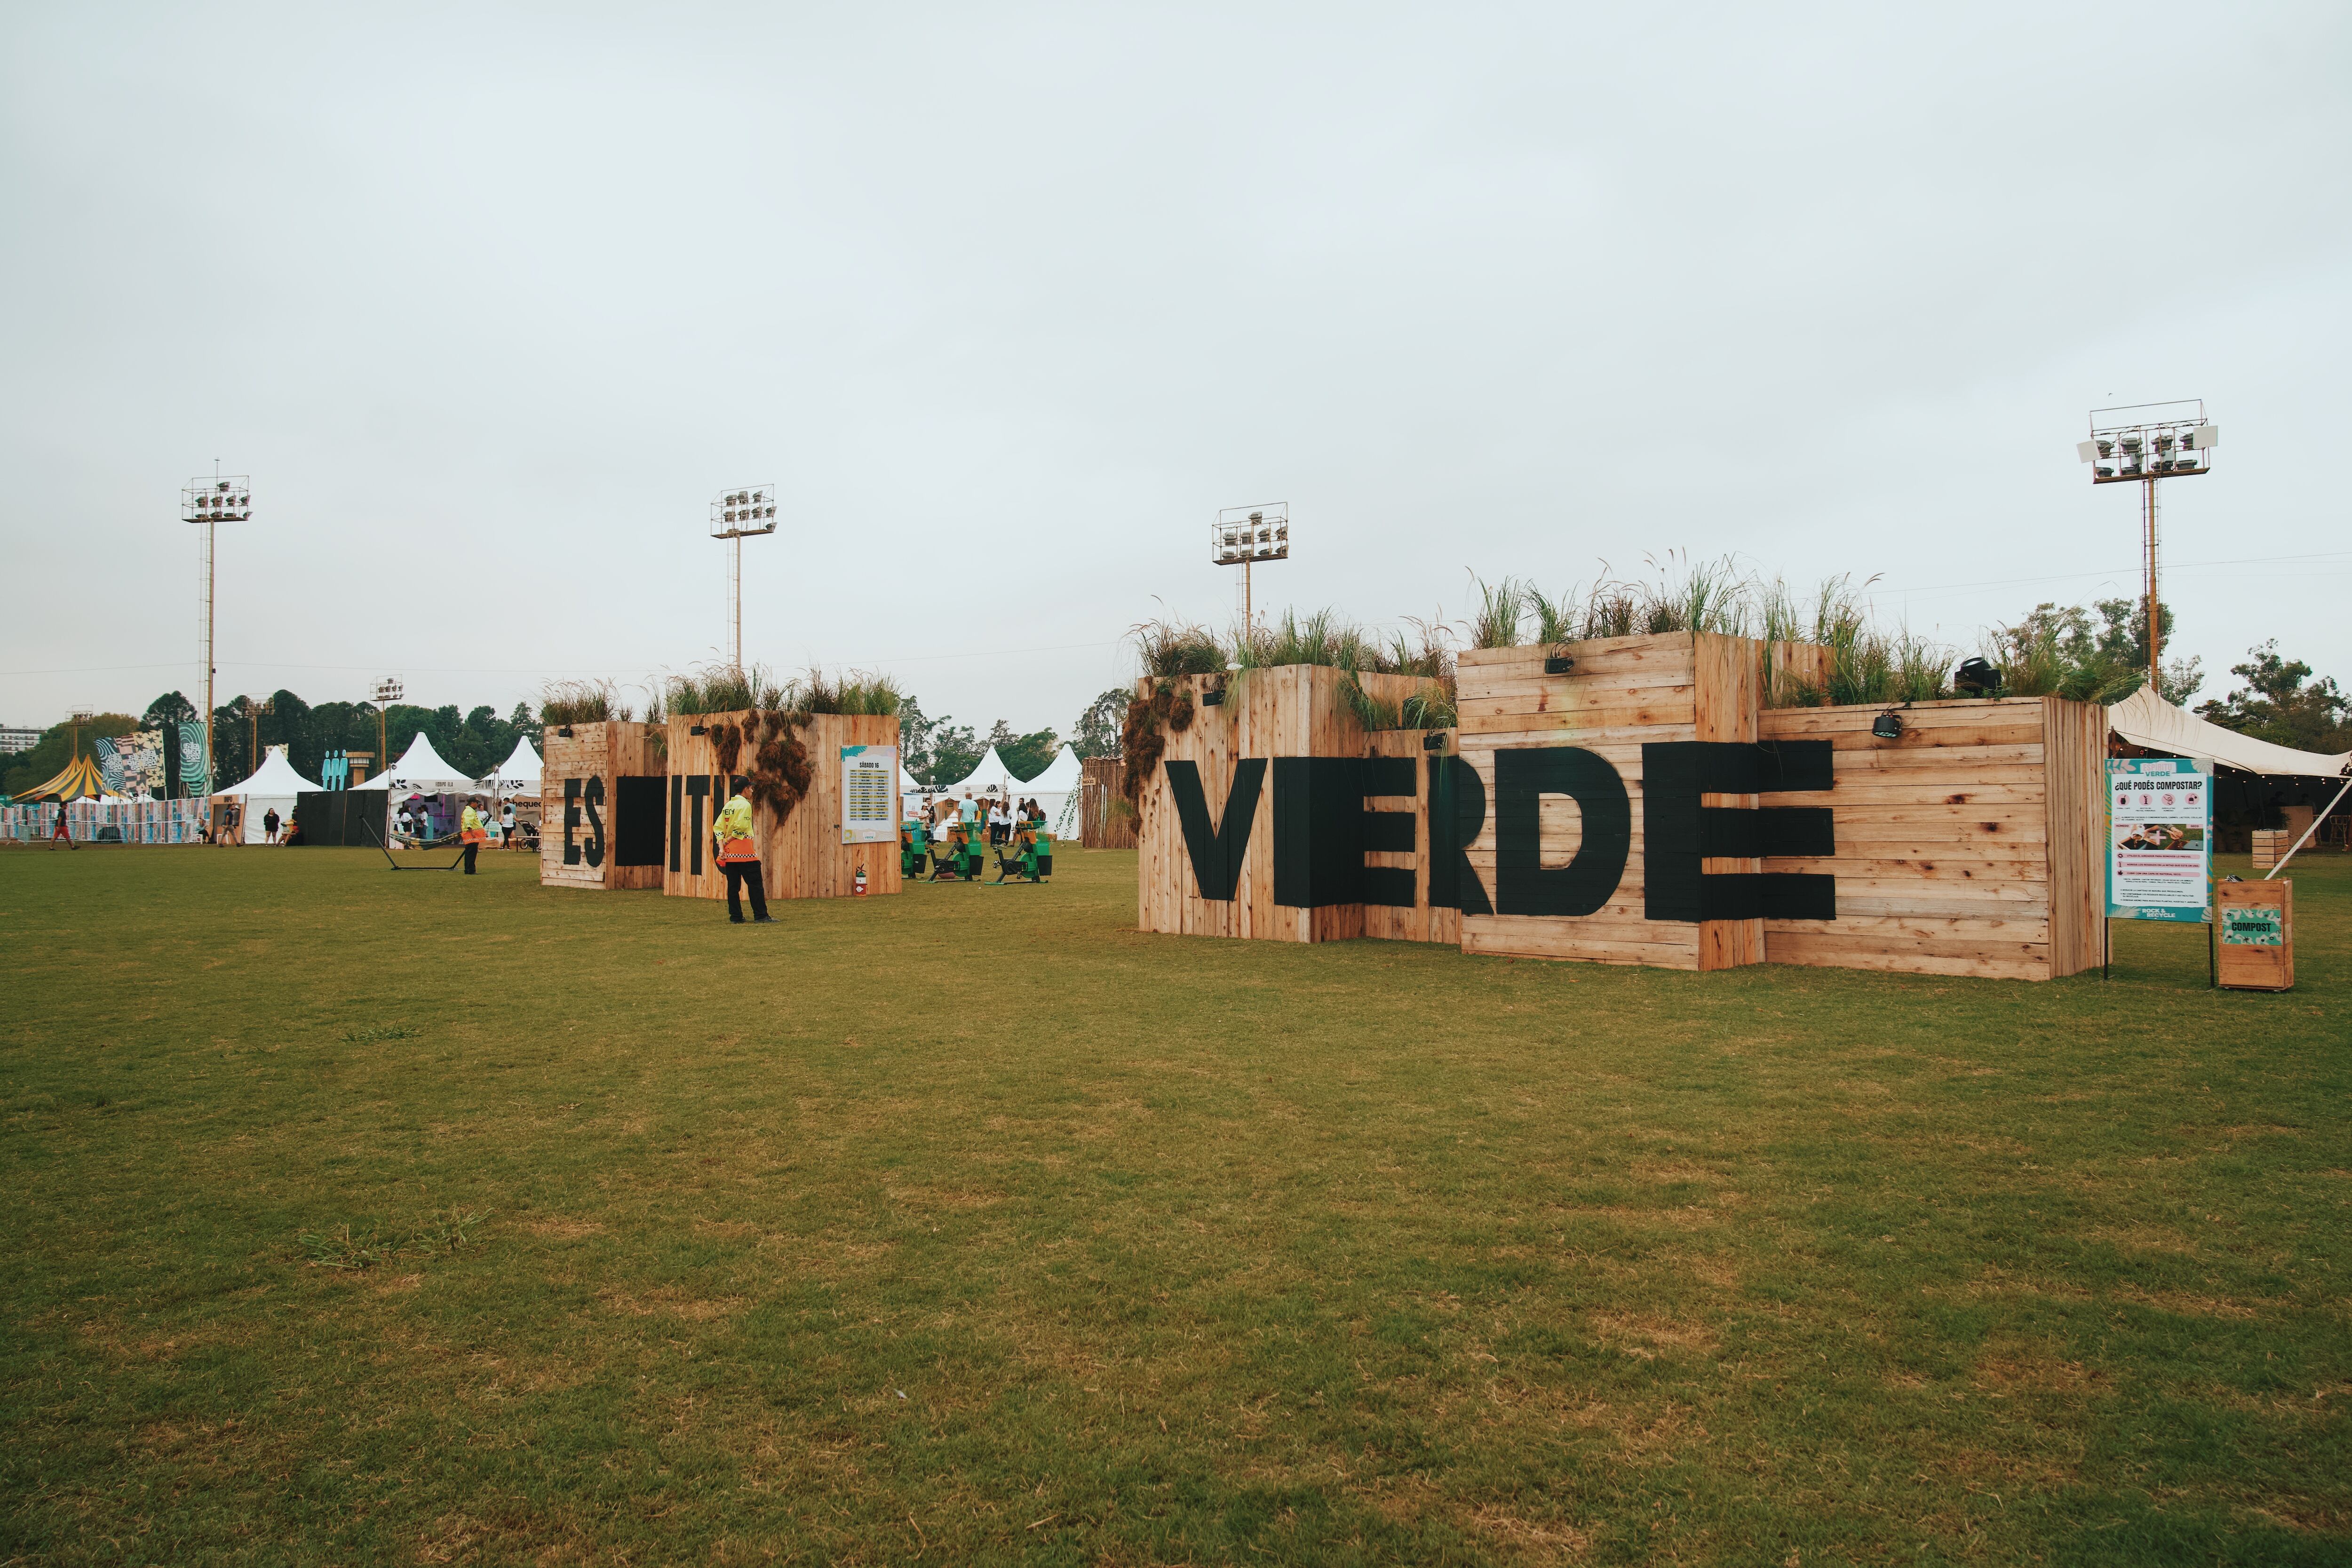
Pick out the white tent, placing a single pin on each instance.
(990, 774)
(1056, 791)
(2146, 719)
(274, 784)
(420, 770)
(519, 773)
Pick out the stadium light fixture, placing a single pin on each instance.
(222, 497)
(2141, 443)
(737, 515)
(1245, 535)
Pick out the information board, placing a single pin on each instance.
(869, 795)
(2159, 840)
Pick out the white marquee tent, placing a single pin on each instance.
(990, 776)
(421, 771)
(274, 784)
(519, 773)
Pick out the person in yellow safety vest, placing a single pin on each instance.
(739, 856)
(471, 833)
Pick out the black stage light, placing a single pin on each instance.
(1435, 742)
(1888, 726)
(1558, 664)
(1980, 676)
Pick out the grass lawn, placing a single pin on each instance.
(362, 1217)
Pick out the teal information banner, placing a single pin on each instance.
(2159, 840)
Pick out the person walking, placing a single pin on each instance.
(470, 831)
(506, 824)
(63, 831)
(739, 856)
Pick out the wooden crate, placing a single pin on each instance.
(1971, 844)
(596, 784)
(2254, 948)
(1270, 722)
(2270, 846)
(803, 857)
(1106, 821)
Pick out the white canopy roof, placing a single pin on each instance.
(991, 771)
(276, 776)
(1062, 775)
(2146, 719)
(908, 785)
(521, 767)
(420, 768)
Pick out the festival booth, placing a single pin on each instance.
(601, 794)
(274, 786)
(1630, 800)
(432, 788)
(840, 773)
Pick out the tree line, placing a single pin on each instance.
(2084, 653)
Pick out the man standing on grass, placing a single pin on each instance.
(471, 833)
(739, 856)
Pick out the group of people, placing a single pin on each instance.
(951, 837)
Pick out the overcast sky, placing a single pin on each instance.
(491, 301)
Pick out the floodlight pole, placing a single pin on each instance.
(735, 592)
(2155, 628)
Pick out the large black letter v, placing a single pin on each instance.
(1217, 851)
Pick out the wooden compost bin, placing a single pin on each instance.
(1287, 879)
(2254, 948)
(600, 805)
(1104, 821)
(803, 857)
(1970, 845)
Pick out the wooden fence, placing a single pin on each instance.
(1106, 820)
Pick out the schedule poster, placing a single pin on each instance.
(869, 795)
(2159, 840)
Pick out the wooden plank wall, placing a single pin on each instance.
(2074, 746)
(1943, 860)
(1101, 827)
(1295, 710)
(1621, 692)
(1394, 922)
(608, 751)
(804, 858)
(1726, 696)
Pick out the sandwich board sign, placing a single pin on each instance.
(2159, 840)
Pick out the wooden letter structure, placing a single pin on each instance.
(803, 856)
(600, 813)
(1630, 800)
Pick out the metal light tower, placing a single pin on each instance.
(1245, 535)
(387, 691)
(80, 716)
(207, 501)
(2164, 441)
(736, 516)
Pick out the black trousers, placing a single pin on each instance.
(742, 874)
(470, 848)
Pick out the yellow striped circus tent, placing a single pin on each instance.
(78, 781)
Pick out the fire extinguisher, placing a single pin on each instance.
(861, 881)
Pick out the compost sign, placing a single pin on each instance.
(869, 795)
(2160, 849)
